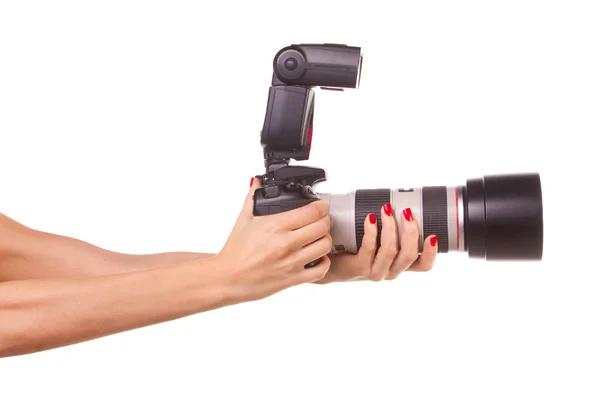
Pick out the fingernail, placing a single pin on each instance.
(407, 214)
(433, 240)
(251, 181)
(387, 209)
(372, 218)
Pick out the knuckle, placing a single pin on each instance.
(410, 231)
(328, 242)
(272, 225)
(372, 247)
(320, 208)
(412, 228)
(324, 225)
(281, 247)
(409, 256)
(368, 248)
(390, 236)
(377, 276)
(413, 255)
(403, 263)
(390, 251)
(406, 261)
(313, 211)
(323, 206)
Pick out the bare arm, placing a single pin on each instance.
(41, 314)
(262, 256)
(26, 253)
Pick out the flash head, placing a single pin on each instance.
(329, 66)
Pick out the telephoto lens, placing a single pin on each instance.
(495, 217)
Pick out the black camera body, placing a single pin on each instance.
(287, 130)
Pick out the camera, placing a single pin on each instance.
(494, 217)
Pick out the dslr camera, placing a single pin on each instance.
(493, 217)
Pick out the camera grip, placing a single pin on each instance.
(269, 202)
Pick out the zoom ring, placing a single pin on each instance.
(369, 201)
(435, 215)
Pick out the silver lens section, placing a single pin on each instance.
(456, 237)
(341, 215)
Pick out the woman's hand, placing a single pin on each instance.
(392, 258)
(264, 255)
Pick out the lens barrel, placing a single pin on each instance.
(495, 217)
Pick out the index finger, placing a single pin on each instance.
(303, 216)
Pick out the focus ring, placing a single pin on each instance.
(369, 201)
(435, 215)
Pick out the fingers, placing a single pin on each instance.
(317, 272)
(310, 233)
(312, 252)
(248, 208)
(368, 249)
(409, 245)
(389, 245)
(303, 216)
(427, 258)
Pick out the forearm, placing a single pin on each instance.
(141, 262)
(26, 253)
(41, 314)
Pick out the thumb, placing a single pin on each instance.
(248, 208)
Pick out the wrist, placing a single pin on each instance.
(212, 277)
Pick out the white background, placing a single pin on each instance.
(134, 125)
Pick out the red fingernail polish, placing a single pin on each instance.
(251, 181)
(387, 209)
(433, 240)
(372, 218)
(407, 214)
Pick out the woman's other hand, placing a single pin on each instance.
(392, 257)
